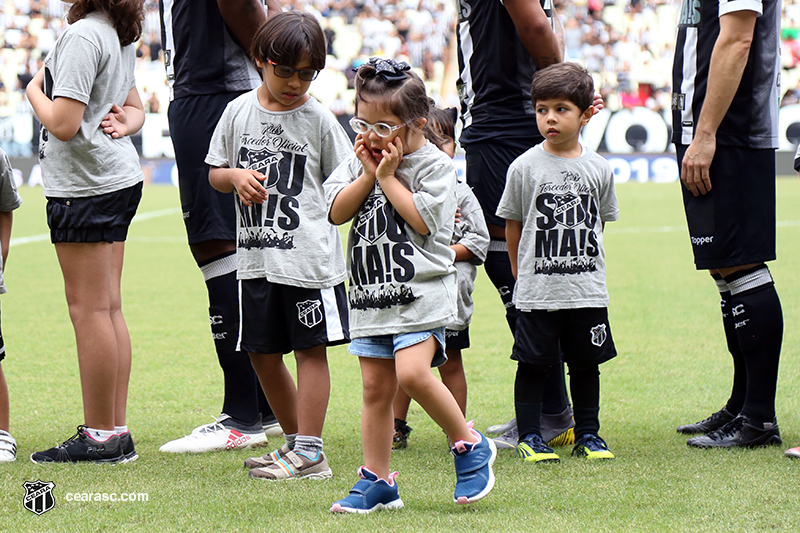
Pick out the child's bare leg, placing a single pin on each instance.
(453, 377)
(88, 285)
(4, 403)
(377, 418)
(402, 401)
(415, 376)
(313, 390)
(278, 387)
(122, 334)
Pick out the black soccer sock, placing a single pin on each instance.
(739, 388)
(556, 400)
(758, 321)
(241, 400)
(498, 269)
(584, 384)
(528, 392)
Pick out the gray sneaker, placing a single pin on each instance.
(295, 466)
(268, 458)
(509, 439)
(499, 429)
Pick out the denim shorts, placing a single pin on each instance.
(384, 346)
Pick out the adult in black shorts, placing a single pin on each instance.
(725, 83)
(497, 65)
(205, 44)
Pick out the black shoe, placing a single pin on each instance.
(712, 423)
(740, 432)
(401, 431)
(82, 448)
(128, 451)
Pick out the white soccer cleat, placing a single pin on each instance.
(222, 434)
(8, 447)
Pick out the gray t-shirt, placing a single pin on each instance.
(9, 200)
(562, 204)
(401, 281)
(88, 64)
(472, 233)
(287, 239)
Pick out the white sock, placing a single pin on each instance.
(119, 430)
(308, 445)
(290, 439)
(100, 435)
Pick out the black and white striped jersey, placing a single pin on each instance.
(495, 73)
(200, 53)
(752, 119)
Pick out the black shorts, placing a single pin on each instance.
(103, 218)
(734, 224)
(584, 335)
(487, 166)
(207, 213)
(456, 340)
(279, 318)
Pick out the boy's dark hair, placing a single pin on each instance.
(396, 87)
(286, 38)
(126, 16)
(442, 124)
(564, 80)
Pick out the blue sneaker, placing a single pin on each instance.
(474, 475)
(370, 494)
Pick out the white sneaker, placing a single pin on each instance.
(271, 427)
(8, 447)
(222, 434)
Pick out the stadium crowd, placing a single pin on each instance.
(627, 45)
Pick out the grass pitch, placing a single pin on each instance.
(672, 368)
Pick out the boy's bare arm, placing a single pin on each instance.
(462, 252)
(244, 17)
(6, 219)
(247, 183)
(513, 234)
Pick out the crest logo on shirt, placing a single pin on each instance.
(262, 161)
(309, 313)
(569, 210)
(372, 221)
(599, 334)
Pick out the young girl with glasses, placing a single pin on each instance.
(274, 147)
(400, 192)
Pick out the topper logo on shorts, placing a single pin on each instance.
(236, 439)
(38, 497)
(700, 241)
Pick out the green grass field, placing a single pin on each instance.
(672, 368)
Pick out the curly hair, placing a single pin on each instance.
(127, 16)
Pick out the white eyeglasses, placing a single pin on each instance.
(381, 129)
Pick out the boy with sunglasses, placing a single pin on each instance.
(274, 147)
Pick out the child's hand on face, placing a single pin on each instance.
(365, 156)
(115, 123)
(249, 186)
(392, 157)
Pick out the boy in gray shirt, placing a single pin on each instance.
(557, 198)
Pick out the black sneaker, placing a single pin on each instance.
(739, 432)
(128, 451)
(401, 431)
(712, 423)
(82, 448)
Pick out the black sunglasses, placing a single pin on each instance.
(283, 71)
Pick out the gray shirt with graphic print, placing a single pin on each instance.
(562, 204)
(89, 65)
(401, 281)
(287, 239)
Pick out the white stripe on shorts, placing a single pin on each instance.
(239, 336)
(333, 323)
